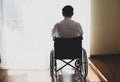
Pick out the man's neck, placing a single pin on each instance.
(67, 17)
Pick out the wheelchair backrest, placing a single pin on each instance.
(68, 48)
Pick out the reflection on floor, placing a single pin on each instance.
(43, 75)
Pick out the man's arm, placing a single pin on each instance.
(80, 29)
(54, 30)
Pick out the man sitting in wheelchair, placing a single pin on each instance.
(67, 35)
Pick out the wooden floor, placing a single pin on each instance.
(66, 75)
(109, 66)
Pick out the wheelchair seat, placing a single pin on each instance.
(68, 48)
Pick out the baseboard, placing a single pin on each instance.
(97, 72)
(105, 55)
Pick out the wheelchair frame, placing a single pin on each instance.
(81, 65)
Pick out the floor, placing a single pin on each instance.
(66, 75)
(109, 66)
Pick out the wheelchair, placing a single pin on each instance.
(69, 49)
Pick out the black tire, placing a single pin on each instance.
(84, 66)
(86, 62)
(52, 66)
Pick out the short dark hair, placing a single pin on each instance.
(67, 11)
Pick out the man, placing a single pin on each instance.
(67, 28)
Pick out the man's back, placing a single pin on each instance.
(68, 28)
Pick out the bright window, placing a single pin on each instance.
(26, 33)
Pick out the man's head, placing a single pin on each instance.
(67, 11)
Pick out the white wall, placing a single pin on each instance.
(105, 27)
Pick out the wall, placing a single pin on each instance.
(105, 27)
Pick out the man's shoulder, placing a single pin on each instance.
(75, 22)
(59, 22)
(63, 22)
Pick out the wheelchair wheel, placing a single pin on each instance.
(52, 66)
(84, 65)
